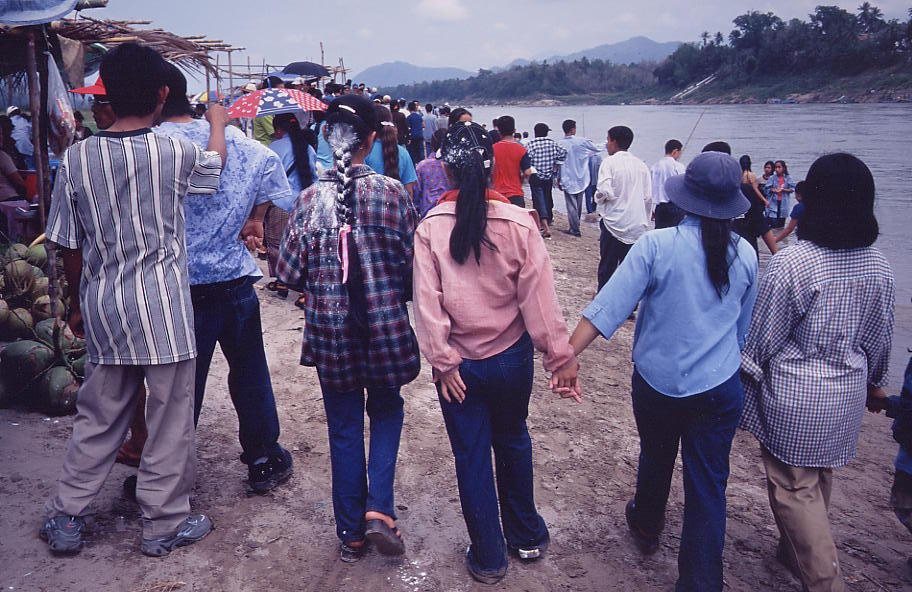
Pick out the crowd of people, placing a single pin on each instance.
(361, 214)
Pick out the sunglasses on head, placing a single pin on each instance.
(99, 101)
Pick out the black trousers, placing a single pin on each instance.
(611, 252)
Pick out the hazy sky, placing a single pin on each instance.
(462, 33)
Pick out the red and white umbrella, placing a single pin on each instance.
(272, 101)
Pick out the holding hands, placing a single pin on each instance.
(565, 382)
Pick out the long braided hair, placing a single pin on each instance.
(350, 120)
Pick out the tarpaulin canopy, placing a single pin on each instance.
(34, 12)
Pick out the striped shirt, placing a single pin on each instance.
(821, 333)
(119, 198)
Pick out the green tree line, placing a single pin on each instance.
(762, 46)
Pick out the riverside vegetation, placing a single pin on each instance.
(833, 55)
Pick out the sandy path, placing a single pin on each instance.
(585, 459)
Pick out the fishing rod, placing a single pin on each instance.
(694, 129)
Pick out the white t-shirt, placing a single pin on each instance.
(624, 196)
(661, 171)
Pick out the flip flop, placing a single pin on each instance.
(387, 541)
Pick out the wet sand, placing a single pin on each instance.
(585, 463)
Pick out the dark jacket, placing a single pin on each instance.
(900, 409)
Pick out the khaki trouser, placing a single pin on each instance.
(168, 466)
(800, 498)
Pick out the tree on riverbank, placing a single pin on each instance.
(762, 48)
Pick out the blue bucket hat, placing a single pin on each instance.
(710, 187)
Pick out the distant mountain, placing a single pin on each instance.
(396, 73)
(632, 51)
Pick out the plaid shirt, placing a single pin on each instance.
(821, 333)
(545, 154)
(383, 231)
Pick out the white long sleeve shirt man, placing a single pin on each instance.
(623, 196)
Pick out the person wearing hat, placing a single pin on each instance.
(484, 300)
(101, 106)
(547, 156)
(695, 285)
(22, 134)
(818, 350)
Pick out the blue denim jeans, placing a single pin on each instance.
(362, 484)
(228, 313)
(542, 197)
(493, 414)
(590, 199)
(704, 425)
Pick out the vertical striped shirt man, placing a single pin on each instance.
(119, 198)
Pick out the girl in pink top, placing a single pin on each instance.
(484, 297)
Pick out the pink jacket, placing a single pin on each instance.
(478, 310)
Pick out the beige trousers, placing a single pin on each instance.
(104, 410)
(800, 499)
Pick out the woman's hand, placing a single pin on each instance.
(451, 385)
(877, 399)
(565, 381)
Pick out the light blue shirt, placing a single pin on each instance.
(285, 150)
(407, 172)
(252, 175)
(324, 152)
(687, 339)
(574, 174)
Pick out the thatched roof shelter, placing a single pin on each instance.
(69, 37)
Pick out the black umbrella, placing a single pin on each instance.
(305, 69)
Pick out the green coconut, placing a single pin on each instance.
(15, 252)
(40, 287)
(41, 308)
(23, 360)
(57, 390)
(37, 256)
(4, 312)
(19, 323)
(18, 278)
(37, 272)
(79, 366)
(68, 341)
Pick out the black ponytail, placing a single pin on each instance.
(469, 156)
(716, 237)
(288, 123)
(471, 210)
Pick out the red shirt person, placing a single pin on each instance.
(511, 163)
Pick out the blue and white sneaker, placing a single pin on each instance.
(195, 528)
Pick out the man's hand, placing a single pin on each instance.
(451, 385)
(75, 322)
(252, 234)
(565, 381)
(216, 115)
(877, 399)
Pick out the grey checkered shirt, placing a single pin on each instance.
(821, 333)
(545, 155)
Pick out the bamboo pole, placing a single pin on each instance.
(37, 85)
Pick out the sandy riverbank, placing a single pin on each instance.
(585, 459)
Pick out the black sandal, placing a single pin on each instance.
(273, 285)
(387, 540)
(300, 303)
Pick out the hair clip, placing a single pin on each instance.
(347, 108)
(388, 123)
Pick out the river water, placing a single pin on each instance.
(879, 134)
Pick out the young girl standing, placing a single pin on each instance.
(348, 247)
(484, 298)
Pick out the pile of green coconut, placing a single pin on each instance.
(42, 363)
